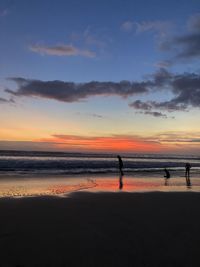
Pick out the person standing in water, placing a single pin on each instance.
(166, 176)
(187, 169)
(120, 172)
(187, 174)
(120, 165)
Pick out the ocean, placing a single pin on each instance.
(30, 173)
(58, 163)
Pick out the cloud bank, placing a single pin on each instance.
(185, 89)
(72, 92)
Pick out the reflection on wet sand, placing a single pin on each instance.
(63, 186)
(188, 182)
(62, 189)
(41, 188)
(121, 181)
(166, 182)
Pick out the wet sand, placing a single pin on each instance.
(28, 186)
(101, 229)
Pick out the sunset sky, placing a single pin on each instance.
(100, 76)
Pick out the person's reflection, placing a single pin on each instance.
(121, 181)
(166, 181)
(188, 182)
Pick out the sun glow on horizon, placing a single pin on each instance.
(125, 144)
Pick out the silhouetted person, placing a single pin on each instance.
(120, 165)
(120, 182)
(187, 169)
(166, 176)
(187, 174)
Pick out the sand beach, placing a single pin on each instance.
(101, 229)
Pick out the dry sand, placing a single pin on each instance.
(101, 229)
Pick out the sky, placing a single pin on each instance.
(100, 76)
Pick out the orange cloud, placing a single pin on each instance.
(169, 142)
(110, 143)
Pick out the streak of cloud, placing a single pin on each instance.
(104, 143)
(159, 27)
(95, 115)
(161, 142)
(164, 142)
(155, 114)
(177, 137)
(61, 50)
(169, 106)
(4, 101)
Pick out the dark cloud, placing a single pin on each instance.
(190, 46)
(185, 88)
(3, 100)
(161, 78)
(165, 105)
(169, 106)
(155, 114)
(148, 106)
(187, 46)
(71, 92)
(138, 104)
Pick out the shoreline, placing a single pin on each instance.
(46, 186)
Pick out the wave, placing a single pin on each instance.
(31, 162)
(16, 153)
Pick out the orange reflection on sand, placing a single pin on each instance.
(129, 185)
(62, 189)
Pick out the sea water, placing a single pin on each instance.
(30, 173)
